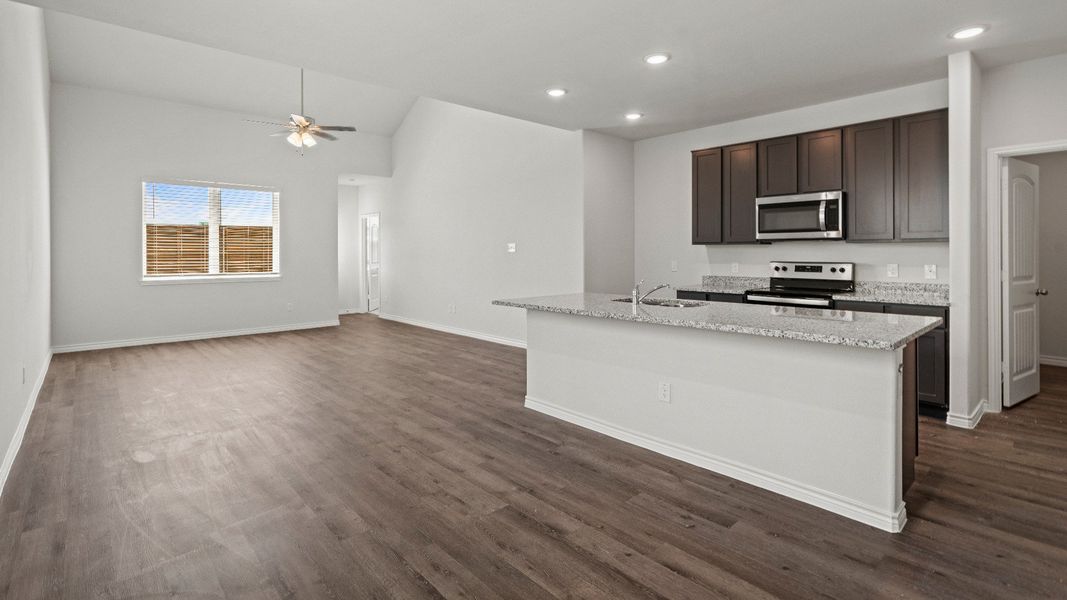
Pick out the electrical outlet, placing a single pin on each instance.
(892, 270)
(930, 271)
(289, 307)
(511, 247)
(735, 267)
(664, 391)
(452, 308)
(674, 266)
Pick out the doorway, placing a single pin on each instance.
(1028, 291)
(371, 234)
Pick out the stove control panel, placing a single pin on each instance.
(794, 270)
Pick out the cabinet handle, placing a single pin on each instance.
(1041, 292)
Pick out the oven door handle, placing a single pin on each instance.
(822, 216)
(788, 301)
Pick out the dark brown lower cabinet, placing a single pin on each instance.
(710, 297)
(931, 350)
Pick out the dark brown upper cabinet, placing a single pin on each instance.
(778, 166)
(707, 196)
(819, 161)
(868, 181)
(739, 193)
(922, 176)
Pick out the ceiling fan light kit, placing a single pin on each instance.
(301, 129)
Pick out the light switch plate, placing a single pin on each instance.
(735, 267)
(511, 247)
(892, 270)
(930, 271)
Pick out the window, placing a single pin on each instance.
(205, 230)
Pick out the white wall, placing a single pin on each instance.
(1053, 247)
(1021, 103)
(608, 196)
(104, 143)
(24, 222)
(663, 196)
(466, 183)
(349, 251)
(1024, 103)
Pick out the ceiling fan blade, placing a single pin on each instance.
(266, 123)
(336, 128)
(325, 136)
(300, 120)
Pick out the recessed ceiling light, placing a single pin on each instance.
(969, 32)
(633, 116)
(556, 92)
(658, 58)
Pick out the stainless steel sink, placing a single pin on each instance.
(672, 302)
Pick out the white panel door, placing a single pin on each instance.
(372, 258)
(1022, 373)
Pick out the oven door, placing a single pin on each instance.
(802, 217)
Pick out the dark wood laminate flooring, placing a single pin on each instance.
(379, 460)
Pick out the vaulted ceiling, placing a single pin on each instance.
(731, 59)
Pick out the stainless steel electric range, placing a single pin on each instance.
(810, 284)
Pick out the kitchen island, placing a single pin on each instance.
(809, 403)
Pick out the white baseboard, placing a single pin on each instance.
(166, 339)
(350, 311)
(967, 421)
(20, 431)
(1054, 361)
(892, 522)
(456, 330)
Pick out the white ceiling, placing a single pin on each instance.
(732, 59)
(96, 54)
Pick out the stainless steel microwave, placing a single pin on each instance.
(818, 216)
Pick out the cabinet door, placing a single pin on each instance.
(778, 166)
(922, 177)
(707, 196)
(739, 193)
(931, 368)
(819, 161)
(853, 305)
(868, 181)
(733, 298)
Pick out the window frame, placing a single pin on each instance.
(215, 187)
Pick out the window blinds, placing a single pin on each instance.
(204, 229)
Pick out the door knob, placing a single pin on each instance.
(1041, 292)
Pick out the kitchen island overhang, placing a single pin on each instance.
(807, 404)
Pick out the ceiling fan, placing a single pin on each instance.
(301, 130)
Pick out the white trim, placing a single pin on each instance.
(994, 241)
(188, 337)
(1054, 361)
(496, 339)
(968, 421)
(20, 431)
(892, 522)
(183, 279)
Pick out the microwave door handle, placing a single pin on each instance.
(822, 216)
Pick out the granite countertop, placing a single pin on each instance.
(889, 292)
(840, 327)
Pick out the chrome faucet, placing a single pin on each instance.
(636, 295)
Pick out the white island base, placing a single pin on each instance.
(820, 423)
